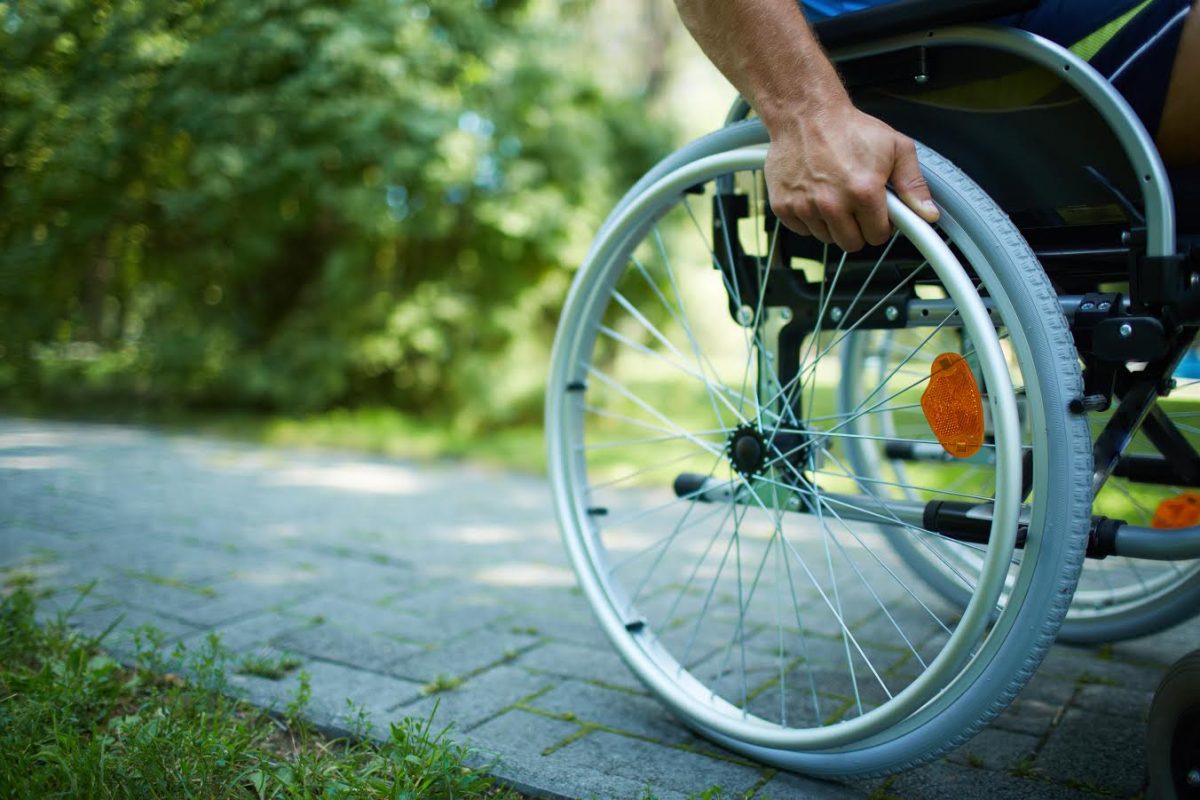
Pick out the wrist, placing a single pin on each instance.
(816, 105)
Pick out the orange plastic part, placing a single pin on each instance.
(953, 406)
(1178, 512)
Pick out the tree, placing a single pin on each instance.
(294, 204)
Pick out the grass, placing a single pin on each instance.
(1023, 768)
(75, 722)
(271, 668)
(1086, 678)
(172, 583)
(378, 431)
(442, 683)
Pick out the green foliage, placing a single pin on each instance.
(267, 666)
(76, 723)
(296, 204)
(442, 683)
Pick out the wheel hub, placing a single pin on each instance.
(747, 450)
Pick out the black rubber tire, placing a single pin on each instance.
(1173, 733)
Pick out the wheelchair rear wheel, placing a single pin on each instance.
(736, 556)
(1121, 598)
(1117, 598)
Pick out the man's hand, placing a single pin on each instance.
(827, 173)
(829, 164)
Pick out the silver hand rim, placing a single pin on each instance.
(641, 650)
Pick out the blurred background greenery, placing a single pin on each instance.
(342, 221)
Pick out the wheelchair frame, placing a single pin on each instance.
(1007, 609)
(1160, 276)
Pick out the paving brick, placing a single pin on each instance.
(519, 735)
(128, 556)
(66, 515)
(1114, 762)
(662, 769)
(515, 742)
(1161, 648)
(463, 656)
(612, 708)
(563, 618)
(125, 624)
(479, 698)
(331, 686)
(786, 785)
(457, 620)
(351, 648)
(567, 660)
(366, 618)
(199, 604)
(1115, 701)
(22, 545)
(944, 781)
(252, 631)
(446, 569)
(1032, 717)
(68, 604)
(359, 579)
(996, 749)
(1045, 687)
(1086, 665)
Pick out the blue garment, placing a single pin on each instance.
(1137, 60)
(1068, 21)
(1061, 20)
(823, 9)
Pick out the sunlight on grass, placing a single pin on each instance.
(79, 723)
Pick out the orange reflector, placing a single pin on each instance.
(953, 406)
(1178, 512)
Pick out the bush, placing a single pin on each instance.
(296, 204)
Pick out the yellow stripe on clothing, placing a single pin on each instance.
(1087, 47)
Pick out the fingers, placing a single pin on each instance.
(789, 220)
(858, 215)
(819, 229)
(909, 183)
(812, 224)
(871, 215)
(843, 227)
(848, 224)
(839, 194)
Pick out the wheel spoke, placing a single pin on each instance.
(740, 504)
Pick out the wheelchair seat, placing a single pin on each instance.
(1050, 287)
(908, 16)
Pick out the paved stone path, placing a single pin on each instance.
(388, 579)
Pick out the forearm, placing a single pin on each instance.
(829, 164)
(767, 50)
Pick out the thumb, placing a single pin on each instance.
(909, 183)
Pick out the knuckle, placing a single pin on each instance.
(828, 206)
(864, 191)
(807, 212)
(787, 202)
(784, 209)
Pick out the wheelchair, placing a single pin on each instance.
(833, 508)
